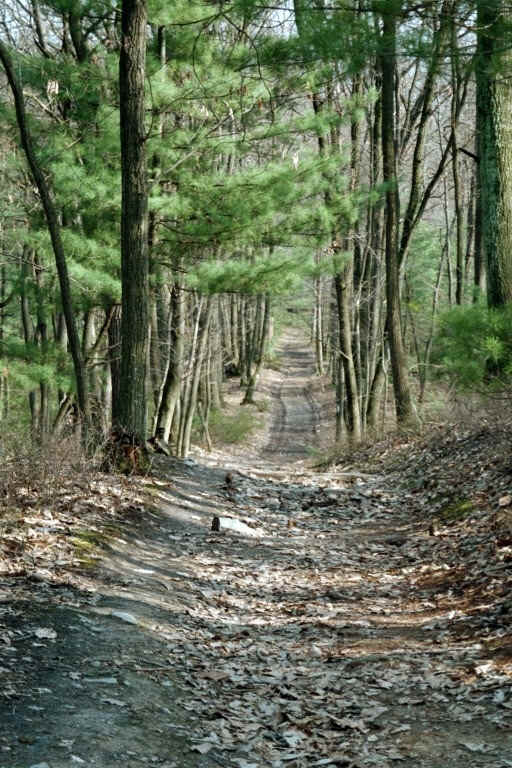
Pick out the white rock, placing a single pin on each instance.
(234, 525)
(124, 616)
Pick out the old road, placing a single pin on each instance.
(305, 642)
(295, 414)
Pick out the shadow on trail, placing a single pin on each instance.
(176, 614)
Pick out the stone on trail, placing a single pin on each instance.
(124, 616)
(234, 525)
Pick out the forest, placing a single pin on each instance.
(255, 383)
(166, 212)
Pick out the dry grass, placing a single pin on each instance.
(28, 467)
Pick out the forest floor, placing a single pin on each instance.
(361, 616)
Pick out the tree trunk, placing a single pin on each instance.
(129, 409)
(417, 177)
(191, 403)
(494, 128)
(55, 236)
(318, 327)
(459, 222)
(263, 320)
(403, 400)
(172, 381)
(114, 353)
(479, 259)
(344, 293)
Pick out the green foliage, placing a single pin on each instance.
(239, 193)
(335, 35)
(231, 428)
(474, 346)
(456, 510)
(273, 274)
(422, 265)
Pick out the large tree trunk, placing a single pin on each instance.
(129, 409)
(494, 129)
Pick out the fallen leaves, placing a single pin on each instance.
(353, 638)
(55, 540)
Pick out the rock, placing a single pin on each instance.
(234, 525)
(124, 616)
(396, 541)
(324, 501)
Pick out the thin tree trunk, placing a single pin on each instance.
(318, 327)
(55, 236)
(403, 400)
(172, 381)
(470, 227)
(416, 184)
(344, 292)
(479, 260)
(191, 403)
(260, 348)
(42, 339)
(459, 223)
(375, 395)
(114, 352)
(423, 373)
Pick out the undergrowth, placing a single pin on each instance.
(30, 467)
(231, 427)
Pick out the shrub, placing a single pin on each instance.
(474, 346)
(231, 428)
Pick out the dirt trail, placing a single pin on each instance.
(295, 419)
(313, 642)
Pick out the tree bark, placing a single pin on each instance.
(129, 409)
(191, 402)
(459, 221)
(494, 129)
(171, 386)
(344, 293)
(260, 340)
(403, 400)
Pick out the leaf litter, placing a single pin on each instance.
(369, 624)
